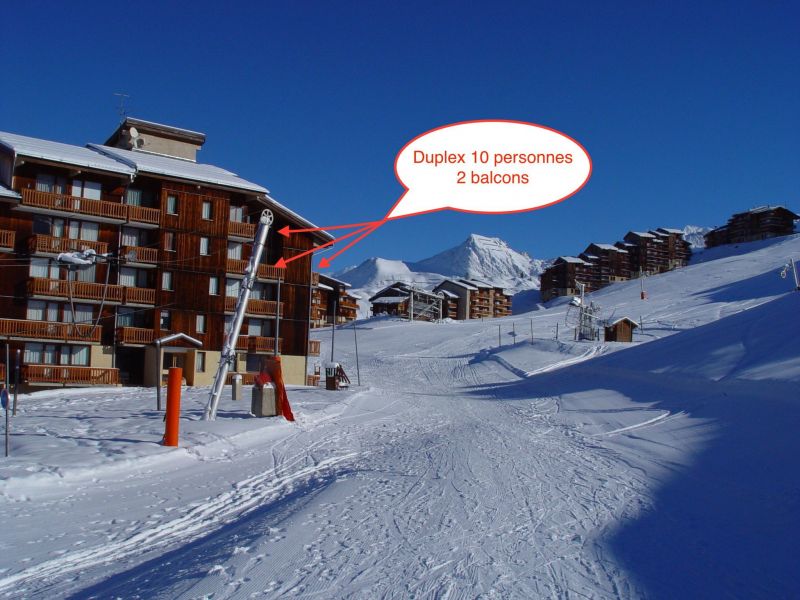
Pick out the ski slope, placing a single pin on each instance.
(477, 459)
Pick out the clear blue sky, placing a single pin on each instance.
(689, 110)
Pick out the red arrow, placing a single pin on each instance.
(286, 231)
(325, 262)
(281, 264)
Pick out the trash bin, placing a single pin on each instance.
(263, 403)
(332, 376)
(236, 387)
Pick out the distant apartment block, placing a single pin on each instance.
(755, 224)
(639, 253)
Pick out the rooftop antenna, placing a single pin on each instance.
(123, 112)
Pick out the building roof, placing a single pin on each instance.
(333, 280)
(160, 128)
(322, 286)
(178, 168)
(459, 283)
(572, 259)
(448, 293)
(668, 230)
(615, 321)
(642, 234)
(478, 283)
(605, 246)
(58, 152)
(7, 192)
(389, 299)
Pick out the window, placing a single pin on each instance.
(45, 183)
(91, 190)
(43, 267)
(232, 288)
(172, 204)
(234, 250)
(166, 280)
(131, 236)
(39, 310)
(164, 320)
(213, 286)
(169, 241)
(204, 246)
(237, 214)
(200, 324)
(207, 212)
(133, 197)
(200, 362)
(83, 313)
(125, 317)
(132, 277)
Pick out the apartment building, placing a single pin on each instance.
(755, 224)
(178, 235)
(331, 302)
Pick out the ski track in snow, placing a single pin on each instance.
(459, 470)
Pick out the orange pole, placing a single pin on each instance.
(173, 406)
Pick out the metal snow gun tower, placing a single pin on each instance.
(229, 349)
(587, 315)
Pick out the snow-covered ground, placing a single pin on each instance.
(477, 459)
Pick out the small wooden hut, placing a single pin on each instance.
(620, 330)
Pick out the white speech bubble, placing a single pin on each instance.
(491, 166)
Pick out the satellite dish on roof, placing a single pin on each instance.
(133, 132)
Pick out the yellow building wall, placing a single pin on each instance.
(294, 369)
(101, 357)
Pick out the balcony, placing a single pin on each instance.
(135, 336)
(255, 306)
(82, 290)
(137, 295)
(144, 216)
(235, 265)
(48, 330)
(65, 375)
(47, 244)
(313, 347)
(139, 255)
(49, 203)
(246, 231)
(7, 239)
(257, 344)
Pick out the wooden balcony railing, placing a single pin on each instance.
(235, 265)
(143, 214)
(139, 254)
(253, 343)
(71, 204)
(313, 347)
(7, 238)
(255, 307)
(135, 335)
(49, 330)
(137, 295)
(312, 380)
(38, 286)
(242, 230)
(57, 245)
(67, 375)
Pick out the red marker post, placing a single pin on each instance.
(173, 406)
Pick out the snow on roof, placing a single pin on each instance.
(590, 257)
(605, 246)
(460, 283)
(142, 123)
(322, 286)
(668, 230)
(643, 234)
(572, 259)
(334, 280)
(157, 164)
(478, 283)
(389, 300)
(78, 156)
(612, 323)
(7, 192)
(448, 293)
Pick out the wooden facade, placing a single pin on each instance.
(639, 254)
(756, 224)
(620, 330)
(179, 248)
(472, 299)
(331, 302)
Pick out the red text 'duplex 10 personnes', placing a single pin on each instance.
(489, 167)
